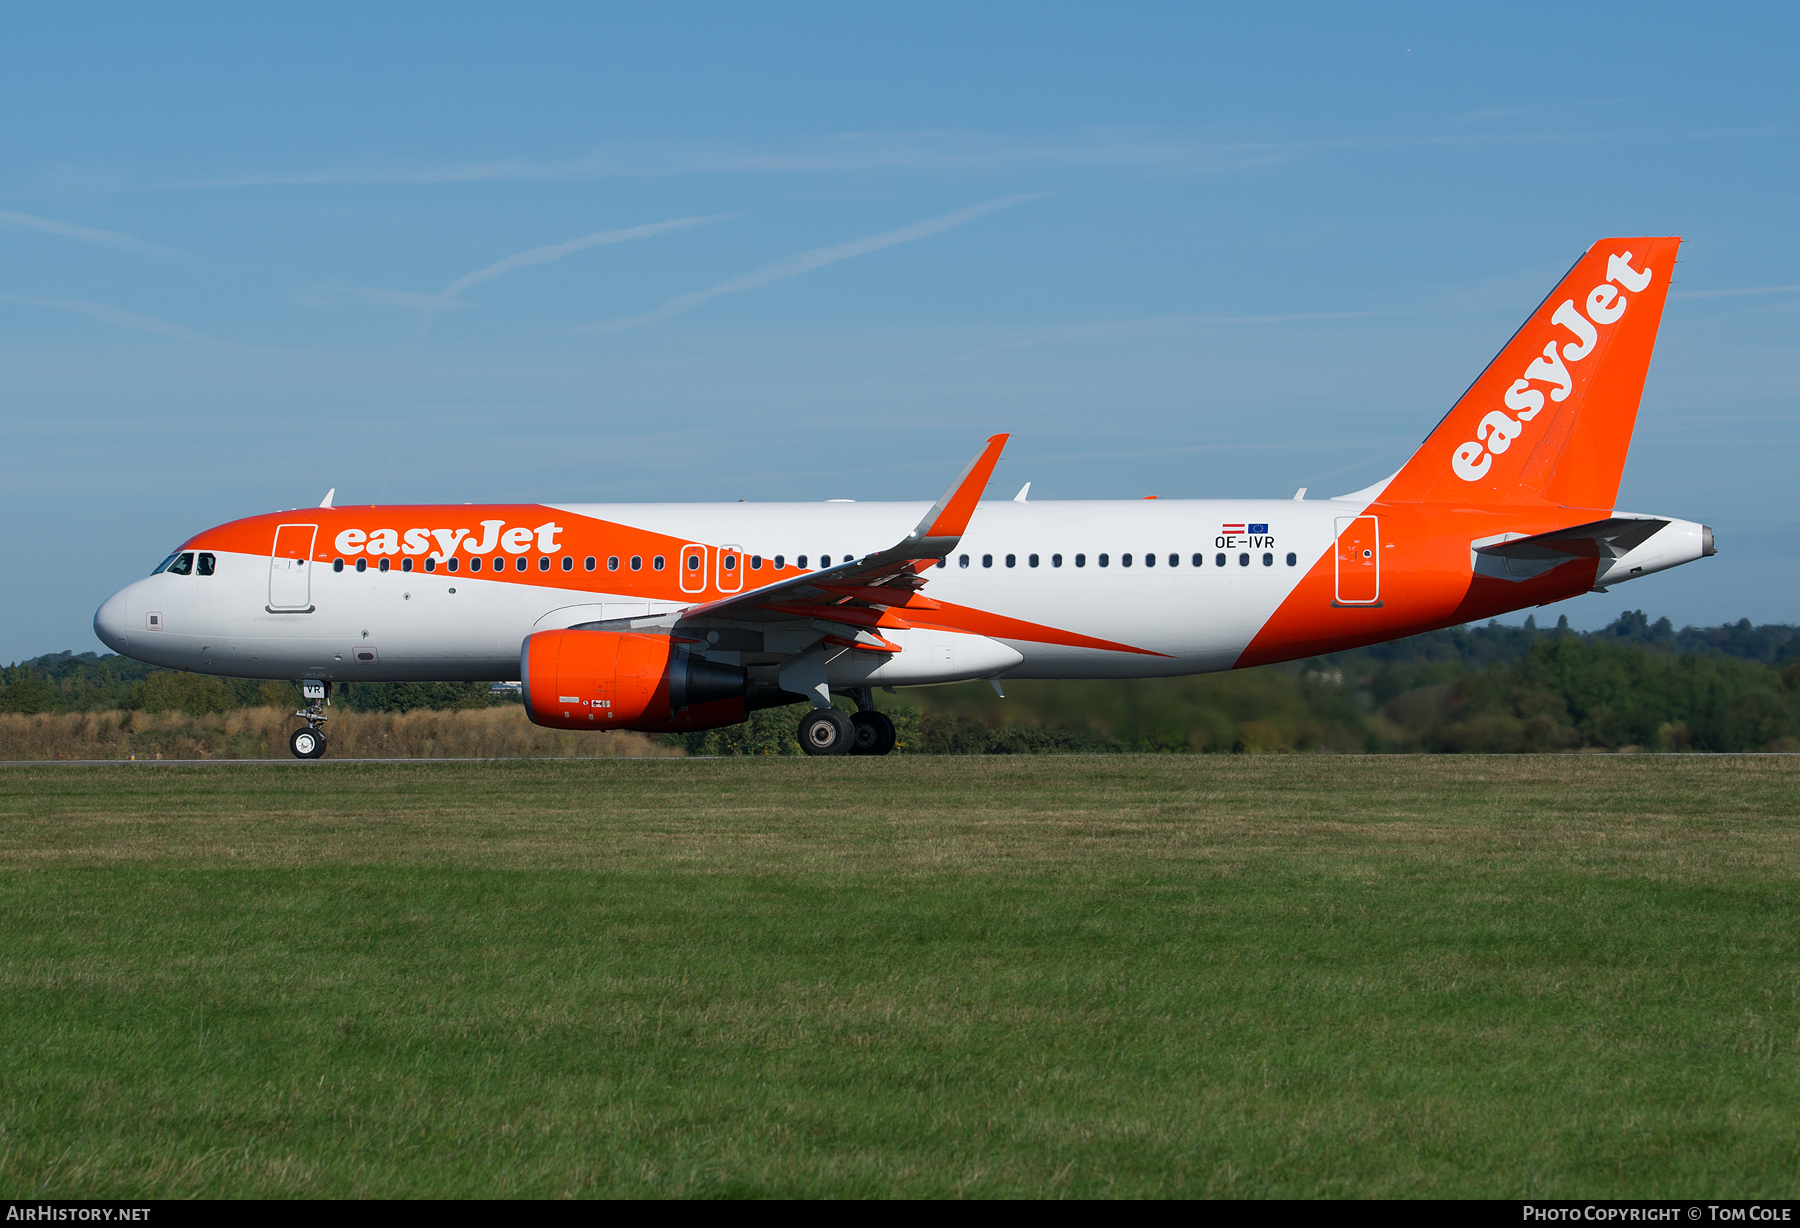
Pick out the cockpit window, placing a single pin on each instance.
(204, 565)
(182, 564)
(164, 565)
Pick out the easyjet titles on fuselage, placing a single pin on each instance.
(494, 536)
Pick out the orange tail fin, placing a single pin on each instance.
(1550, 420)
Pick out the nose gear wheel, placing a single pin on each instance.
(307, 743)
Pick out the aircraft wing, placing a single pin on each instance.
(855, 599)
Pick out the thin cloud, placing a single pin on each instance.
(1083, 332)
(857, 151)
(805, 262)
(943, 152)
(87, 234)
(402, 298)
(106, 313)
(1733, 293)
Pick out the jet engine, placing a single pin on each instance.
(624, 680)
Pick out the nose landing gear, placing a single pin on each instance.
(309, 743)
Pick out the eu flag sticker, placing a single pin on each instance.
(1257, 528)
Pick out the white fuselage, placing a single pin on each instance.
(1093, 577)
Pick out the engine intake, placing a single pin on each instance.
(624, 680)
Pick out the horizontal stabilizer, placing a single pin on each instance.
(1602, 539)
(1519, 558)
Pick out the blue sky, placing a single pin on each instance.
(805, 252)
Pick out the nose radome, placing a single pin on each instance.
(112, 622)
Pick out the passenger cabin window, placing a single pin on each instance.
(780, 562)
(362, 564)
(203, 565)
(1243, 560)
(589, 562)
(1012, 560)
(730, 562)
(1149, 560)
(451, 565)
(658, 562)
(1081, 560)
(1268, 560)
(800, 561)
(612, 562)
(1292, 559)
(1125, 560)
(693, 562)
(474, 564)
(756, 562)
(569, 563)
(1033, 560)
(1174, 560)
(183, 564)
(337, 564)
(1199, 560)
(637, 562)
(987, 560)
(385, 564)
(962, 560)
(1219, 562)
(543, 562)
(522, 562)
(430, 564)
(1104, 560)
(405, 564)
(1056, 560)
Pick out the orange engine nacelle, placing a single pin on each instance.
(623, 680)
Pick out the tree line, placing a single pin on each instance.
(91, 682)
(1633, 684)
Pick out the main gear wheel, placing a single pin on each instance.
(826, 731)
(873, 733)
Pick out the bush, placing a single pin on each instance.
(194, 694)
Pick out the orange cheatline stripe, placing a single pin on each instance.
(998, 626)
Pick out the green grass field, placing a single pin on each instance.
(1183, 975)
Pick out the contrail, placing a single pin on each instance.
(556, 251)
(87, 234)
(108, 314)
(805, 262)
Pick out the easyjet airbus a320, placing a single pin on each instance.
(667, 617)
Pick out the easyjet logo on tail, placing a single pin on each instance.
(494, 536)
(1605, 305)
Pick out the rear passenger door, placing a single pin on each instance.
(1358, 560)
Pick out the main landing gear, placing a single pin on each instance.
(826, 731)
(309, 743)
